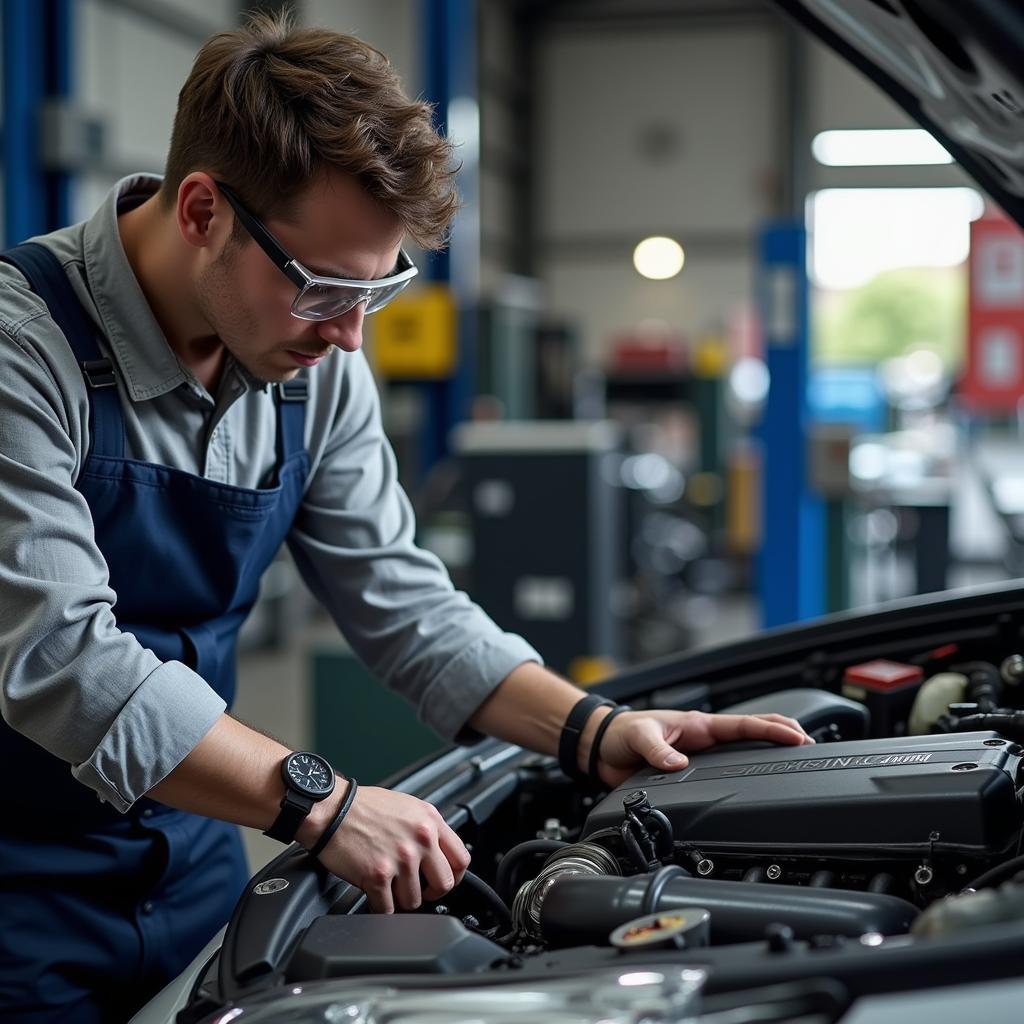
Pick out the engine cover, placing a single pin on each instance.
(855, 799)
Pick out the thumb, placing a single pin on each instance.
(669, 758)
(659, 754)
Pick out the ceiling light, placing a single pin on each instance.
(888, 147)
(658, 258)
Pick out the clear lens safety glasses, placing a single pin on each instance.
(321, 298)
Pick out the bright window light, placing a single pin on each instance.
(860, 232)
(888, 147)
(658, 258)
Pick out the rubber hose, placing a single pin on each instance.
(503, 880)
(496, 904)
(1000, 873)
(984, 684)
(1009, 724)
(656, 886)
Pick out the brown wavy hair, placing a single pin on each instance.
(268, 107)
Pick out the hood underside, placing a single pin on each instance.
(956, 66)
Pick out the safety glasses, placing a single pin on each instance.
(322, 298)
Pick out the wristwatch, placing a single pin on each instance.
(308, 779)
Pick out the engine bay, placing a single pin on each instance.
(898, 830)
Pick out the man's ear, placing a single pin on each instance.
(202, 213)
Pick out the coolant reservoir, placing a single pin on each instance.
(933, 700)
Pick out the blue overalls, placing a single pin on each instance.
(98, 909)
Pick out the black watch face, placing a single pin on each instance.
(310, 774)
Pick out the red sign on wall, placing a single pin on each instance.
(993, 379)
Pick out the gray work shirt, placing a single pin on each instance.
(94, 696)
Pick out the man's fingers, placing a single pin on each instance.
(775, 717)
(438, 876)
(444, 867)
(774, 728)
(405, 888)
(455, 853)
(789, 723)
(378, 892)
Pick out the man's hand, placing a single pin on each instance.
(531, 705)
(657, 738)
(397, 849)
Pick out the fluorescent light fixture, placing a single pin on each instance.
(658, 258)
(888, 147)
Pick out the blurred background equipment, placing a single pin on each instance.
(545, 512)
(799, 319)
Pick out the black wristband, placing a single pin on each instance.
(569, 741)
(325, 837)
(595, 747)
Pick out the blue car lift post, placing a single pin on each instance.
(450, 74)
(37, 44)
(791, 565)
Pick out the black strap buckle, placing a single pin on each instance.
(296, 390)
(99, 373)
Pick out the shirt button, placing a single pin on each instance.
(147, 907)
(148, 812)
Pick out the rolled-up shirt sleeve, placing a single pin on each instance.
(73, 682)
(353, 542)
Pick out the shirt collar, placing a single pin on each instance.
(148, 364)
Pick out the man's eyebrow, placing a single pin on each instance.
(322, 271)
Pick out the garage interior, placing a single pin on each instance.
(685, 371)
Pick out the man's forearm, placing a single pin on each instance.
(234, 774)
(394, 847)
(530, 707)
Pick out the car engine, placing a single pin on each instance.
(755, 863)
(757, 836)
(915, 815)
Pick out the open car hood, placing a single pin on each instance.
(955, 66)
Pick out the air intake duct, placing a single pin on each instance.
(584, 911)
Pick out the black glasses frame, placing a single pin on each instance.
(302, 278)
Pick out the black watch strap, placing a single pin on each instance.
(569, 741)
(294, 809)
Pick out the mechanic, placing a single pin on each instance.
(170, 416)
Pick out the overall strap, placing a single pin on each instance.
(44, 273)
(291, 417)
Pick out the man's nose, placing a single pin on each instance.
(345, 331)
